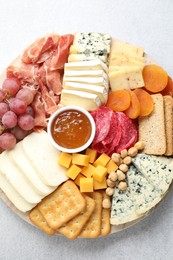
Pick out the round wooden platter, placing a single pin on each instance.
(114, 228)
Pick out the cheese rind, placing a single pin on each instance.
(85, 100)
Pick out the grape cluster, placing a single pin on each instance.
(16, 113)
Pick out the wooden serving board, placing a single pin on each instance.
(114, 228)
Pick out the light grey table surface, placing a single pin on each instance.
(148, 23)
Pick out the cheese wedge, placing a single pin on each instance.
(95, 64)
(99, 81)
(86, 73)
(98, 50)
(44, 158)
(83, 99)
(128, 79)
(16, 178)
(86, 57)
(19, 202)
(93, 89)
(19, 158)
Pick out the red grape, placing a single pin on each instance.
(25, 94)
(10, 86)
(2, 95)
(7, 141)
(26, 122)
(4, 107)
(9, 119)
(29, 111)
(17, 105)
(19, 133)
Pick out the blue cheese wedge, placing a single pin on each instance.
(95, 64)
(83, 99)
(157, 169)
(100, 49)
(93, 89)
(144, 194)
(123, 209)
(18, 201)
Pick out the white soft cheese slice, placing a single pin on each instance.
(19, 202)
(95, 64)
(82, 99)
(144, 194)
(20, 159)
(157, 169)
(17, 179)
(123, 209)
(86, 57)
(93, 89)
(130, 78)
(85, 73)
(99, 81)
(44, 158)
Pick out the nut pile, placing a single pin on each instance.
(118, 178)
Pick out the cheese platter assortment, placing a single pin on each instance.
(86, 134)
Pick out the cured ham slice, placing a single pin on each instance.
(39, 111)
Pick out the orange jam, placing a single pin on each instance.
(71, 129)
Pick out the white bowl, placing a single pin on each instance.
(78, 149)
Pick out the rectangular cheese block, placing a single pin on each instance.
(123, 209)
(88, 171)
(111, 166)
(127, 62)
(102, 160)
(92, 154)
(19, 202)
(86, 185)
(73, 171)
(77, 180)
(100, 173)
(128, 79)
(19, 158)
(101, 92)
(17, 179)
(65, 159)
(83, 99)
(144, 194)
(100, 49)
(99, 81)
(100, 185)
(44, 158)
(86, 57)
(85, 73)
(80, 159)
(95, 64)
(123, 57)
(157, 169)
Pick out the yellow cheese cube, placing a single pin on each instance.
(77, 180)
(92, 154)
(111, 166)
(99, 173)
(86, 184)
(80, 159)
(65, 159)
(100, 185)
(73, 171)
(88, 170)
(102, 160)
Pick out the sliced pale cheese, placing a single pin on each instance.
(83, 99)
(93, 89)
(17, 179)
(130, 78)
(144, 194)
(121, 61)
(125, 48)
(44, 158)
(85, 73)
(126, 57)
(99, 81)
(95, 64)
(157, 169)
(20, 159)
(86, 57)
(18, 201)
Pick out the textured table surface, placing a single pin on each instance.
(147, 23)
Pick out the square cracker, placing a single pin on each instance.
(168, 104)
(152, 128)
(62, 205)
(37, 218)
(105, 225)
(92, 228)
(73, 228)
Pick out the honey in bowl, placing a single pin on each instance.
(71, 129)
